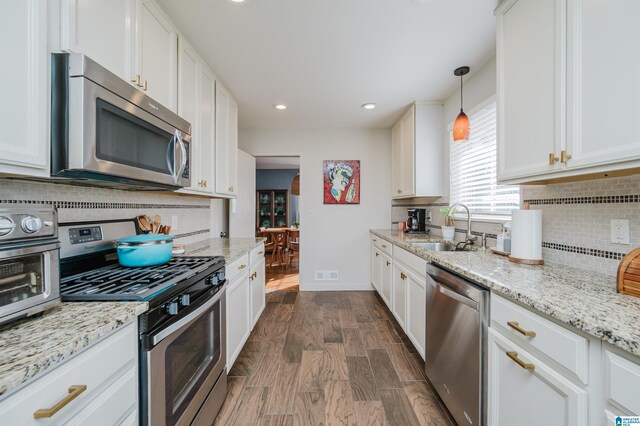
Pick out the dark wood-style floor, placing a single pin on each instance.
(328, 358)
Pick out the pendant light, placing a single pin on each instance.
(461, 125)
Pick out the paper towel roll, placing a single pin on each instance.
(526, 235)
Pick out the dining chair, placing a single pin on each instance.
(279, 238)
(293, 246)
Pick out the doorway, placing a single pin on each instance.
(278, 219)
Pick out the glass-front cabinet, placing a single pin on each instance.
(272, 208)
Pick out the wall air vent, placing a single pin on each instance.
(327, 275)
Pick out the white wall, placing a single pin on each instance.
(477, 88)
(333, 237)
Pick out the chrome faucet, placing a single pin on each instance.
(470, 237)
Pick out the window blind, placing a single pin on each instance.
(474, 172)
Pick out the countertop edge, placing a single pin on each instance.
(594, 330)
(23, 376)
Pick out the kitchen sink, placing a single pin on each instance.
(436, 246)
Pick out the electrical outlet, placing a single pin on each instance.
(620, 231)
(174, 223)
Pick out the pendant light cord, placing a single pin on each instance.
(460, 92)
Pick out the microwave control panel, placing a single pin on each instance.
(85, 235)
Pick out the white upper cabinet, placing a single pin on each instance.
(565, 105)
(131, 38)
(530, 57)
(604, 108)
(102, 30)
(417, 140)
(24, 88)
(156, 46)
(226, 142)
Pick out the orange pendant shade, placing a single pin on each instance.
(461, 128)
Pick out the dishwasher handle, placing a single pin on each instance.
(458, 297)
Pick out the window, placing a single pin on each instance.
(473, 169)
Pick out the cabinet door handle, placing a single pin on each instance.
(402, 275)
(137, 80)
(74, 392)
(241, 267)
(144, 86)
(388, 263)
(231, 189)
(260, 253)
(564, 157)
(516, 327)
(399, 191)
(521, 363)
(553, 159)
(377, 254)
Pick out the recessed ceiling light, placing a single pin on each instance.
(237, 1)
(368, 105)
(280, 106)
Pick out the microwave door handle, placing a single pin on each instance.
(171, 150)
(183, 156)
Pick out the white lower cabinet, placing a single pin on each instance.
(386, 277)
(258, 300)
(108, 371)
(416, 311)
(399, 290)
(375, 268)
(238, 315)
(245, 299)
(401, 282)
(525, 391)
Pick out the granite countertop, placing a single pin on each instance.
(582, 299)
(230, 248)
(31, 346)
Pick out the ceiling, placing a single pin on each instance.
(277, 162)
(325, 58)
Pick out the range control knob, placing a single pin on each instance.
(185, 300)
(31, 224)
(172, 308)
(6, 225)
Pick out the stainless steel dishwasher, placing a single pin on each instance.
(456, 335)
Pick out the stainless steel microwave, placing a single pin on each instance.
(104, 132)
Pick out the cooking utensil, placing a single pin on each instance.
(157, 221)
(144, 250)
(167, 230)
(143, 223)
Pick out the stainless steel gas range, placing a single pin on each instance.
(182, 336)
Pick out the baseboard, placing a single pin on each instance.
(335, 286)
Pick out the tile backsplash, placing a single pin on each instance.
(79, 203)
(576, 220)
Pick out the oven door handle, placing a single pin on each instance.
(161, 335)
(183, 157)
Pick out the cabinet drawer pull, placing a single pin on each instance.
(399, 191)
(402, 275)
(384, 246)
(553, 159)
(241, 267)
(564, 157)
(374, 240)
(74, 392)
(260, 253)
(521, 363)
(516, 327)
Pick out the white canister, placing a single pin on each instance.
(526, 236)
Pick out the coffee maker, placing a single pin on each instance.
(416, 222)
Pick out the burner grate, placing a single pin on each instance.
(116, 282)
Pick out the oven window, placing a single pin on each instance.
(189, 360)
(21, 278)
(125, 139)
